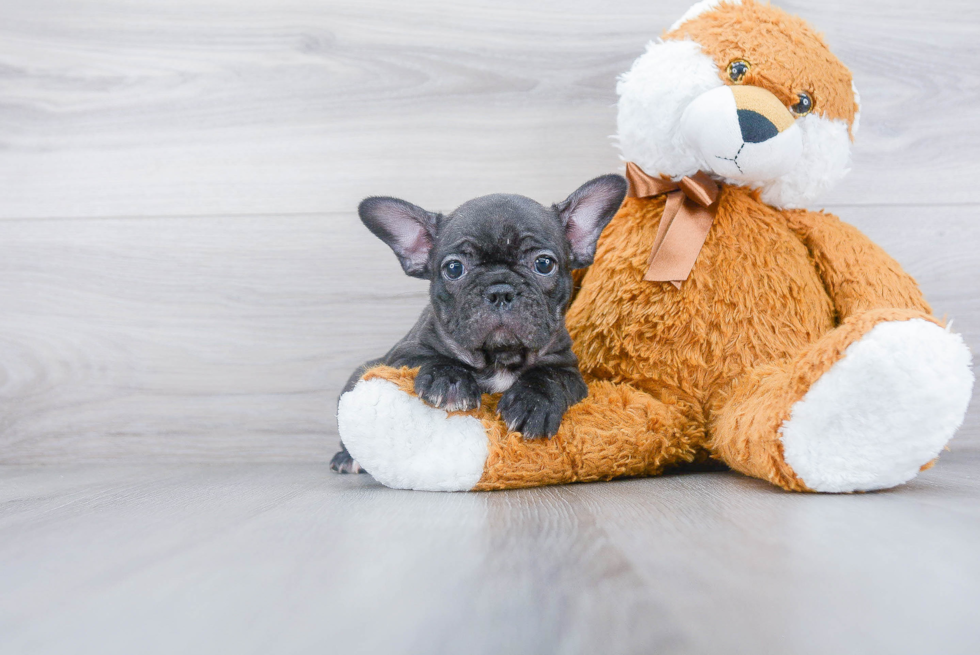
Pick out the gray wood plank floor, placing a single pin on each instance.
(184, 287)
(287, 558)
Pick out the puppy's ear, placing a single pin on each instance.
(408, 230)
(587, 211)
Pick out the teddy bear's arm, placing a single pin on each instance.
(858, 274)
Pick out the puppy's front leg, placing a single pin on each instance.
(537, 401)
(448, 385)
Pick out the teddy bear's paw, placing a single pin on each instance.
(405, 444)
(883, 411)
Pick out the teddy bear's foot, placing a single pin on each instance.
(406, 444)
(865, 407)
(883, 411)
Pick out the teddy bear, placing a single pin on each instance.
(720, 319)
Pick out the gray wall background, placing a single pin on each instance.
(182, 274)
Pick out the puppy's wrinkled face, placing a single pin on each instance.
(502, 276)
(499, 266)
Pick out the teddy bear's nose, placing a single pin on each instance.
(760, 114)
(755, 127)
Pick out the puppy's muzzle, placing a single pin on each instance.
(500, 296)
(742, 132)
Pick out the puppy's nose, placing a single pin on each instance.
(499, 295)
(761, 116)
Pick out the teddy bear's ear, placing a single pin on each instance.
(408, 230)
(587, 211)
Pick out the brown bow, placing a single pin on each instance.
(685, 223)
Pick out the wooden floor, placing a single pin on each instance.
(287, 558)
(184, 287)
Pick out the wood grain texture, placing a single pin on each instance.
(113, 108)
(194, 338)
(228, 339)
(291, 559)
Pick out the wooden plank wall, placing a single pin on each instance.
(182, 275)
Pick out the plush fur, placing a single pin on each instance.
(699, 8)
(797, 351)
(889, 405)
(693, 58)
(407, 444)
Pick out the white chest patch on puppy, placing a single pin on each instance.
(500, 381)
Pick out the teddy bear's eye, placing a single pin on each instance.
(737, 70)
(804, 106)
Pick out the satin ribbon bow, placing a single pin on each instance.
(684, 227)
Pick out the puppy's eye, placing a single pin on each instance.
(545, 265)
(804, 106)
(453, 269)
(737, 70)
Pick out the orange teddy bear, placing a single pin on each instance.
(719, 319)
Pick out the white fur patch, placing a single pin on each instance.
(826, 159)
(700, 8)
(653, 95)
(502, 380)
(405, 444)
(882, 411)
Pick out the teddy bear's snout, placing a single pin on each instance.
(760, 114)
(743, 133)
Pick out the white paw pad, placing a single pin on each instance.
(405, 444)
(886, 408)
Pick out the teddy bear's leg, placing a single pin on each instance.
(617, 431)
(865, 407)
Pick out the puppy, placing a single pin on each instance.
(499, 269)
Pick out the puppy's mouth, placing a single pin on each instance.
(503, 348)
(501, 337)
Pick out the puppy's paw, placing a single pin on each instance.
(532, 412)
(447, 386)
(342, 462)
(536, 403)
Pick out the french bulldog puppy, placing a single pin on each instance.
(499, 269)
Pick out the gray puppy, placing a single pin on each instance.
(500, 278)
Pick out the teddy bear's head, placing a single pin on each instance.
(745, 92)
